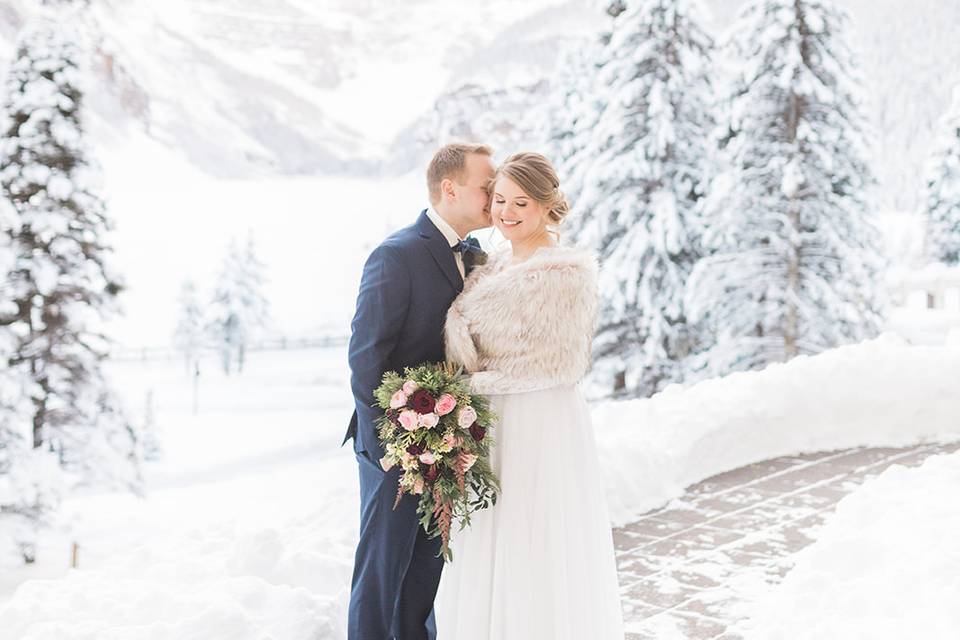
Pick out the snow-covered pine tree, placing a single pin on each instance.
(943, 191)
(576, 102)
(570, 115)
(28, 491)
(636, 161)
(189, 333)
(152, 442)
(256, 308)
(796, 267)
(60, 283)
(239, 308)
(224, 313)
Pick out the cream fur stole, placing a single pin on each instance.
(525, 326)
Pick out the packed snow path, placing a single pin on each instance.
(690, 569)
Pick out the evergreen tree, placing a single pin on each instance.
(224, 325)
(255, 306)
(59, 283)
(571, 114)
(239, 308)
(151, 440)
(637, 150)
(27, 495)
(943, 191)
(189, 333)
(796, 255)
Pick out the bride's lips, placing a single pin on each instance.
(510, 223)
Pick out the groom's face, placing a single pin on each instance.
(472, 195)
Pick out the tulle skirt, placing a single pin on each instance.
(539, 565)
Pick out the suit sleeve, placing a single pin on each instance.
(382, 305)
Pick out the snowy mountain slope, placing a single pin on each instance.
(253, 87)
(495, 92)
(302, 86)
(218, 92)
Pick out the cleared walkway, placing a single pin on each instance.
(688, 570)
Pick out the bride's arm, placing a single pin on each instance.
(548, 315)
(462, 350)
(489, 382)
(458, 343)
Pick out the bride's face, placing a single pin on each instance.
(514, 213)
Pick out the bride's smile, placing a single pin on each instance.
(524, 218)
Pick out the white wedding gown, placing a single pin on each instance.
(539, 565)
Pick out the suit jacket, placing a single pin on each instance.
(407, 286)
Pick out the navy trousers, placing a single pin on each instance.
(394, 582)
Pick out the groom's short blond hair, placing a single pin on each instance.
(450, 161)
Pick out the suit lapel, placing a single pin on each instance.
(440, 250)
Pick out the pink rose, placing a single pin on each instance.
(427, 457)
(386, 462)
(445, 404)
(450, 440)
(418, 486)
(466, 417)
(409, 387)
(399, 399)
(408, 419)
(429, 420)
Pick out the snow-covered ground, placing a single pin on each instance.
(250, 520)
(248, 527)
(885, 566)
(883, 392)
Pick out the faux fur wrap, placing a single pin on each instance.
(525, 326)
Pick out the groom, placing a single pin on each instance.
(407, 286)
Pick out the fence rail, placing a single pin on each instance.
(281, 343)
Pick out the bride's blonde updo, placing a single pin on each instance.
(536, 176)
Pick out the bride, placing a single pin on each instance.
(538, 565)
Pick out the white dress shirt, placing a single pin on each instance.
(451, 236)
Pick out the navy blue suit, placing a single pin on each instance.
(407, 286)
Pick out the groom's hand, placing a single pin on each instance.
(385, 464)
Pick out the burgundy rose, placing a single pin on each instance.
(422, 402)
(477, 432)
(415, 450)
(432, 473)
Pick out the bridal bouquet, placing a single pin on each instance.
(437, 432)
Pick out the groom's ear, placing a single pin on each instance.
(446, 188)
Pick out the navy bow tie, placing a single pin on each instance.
(468, 245)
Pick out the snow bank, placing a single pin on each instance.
(197, 573)
(885, 566)
(882, 392)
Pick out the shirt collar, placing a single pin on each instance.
(443, 226)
